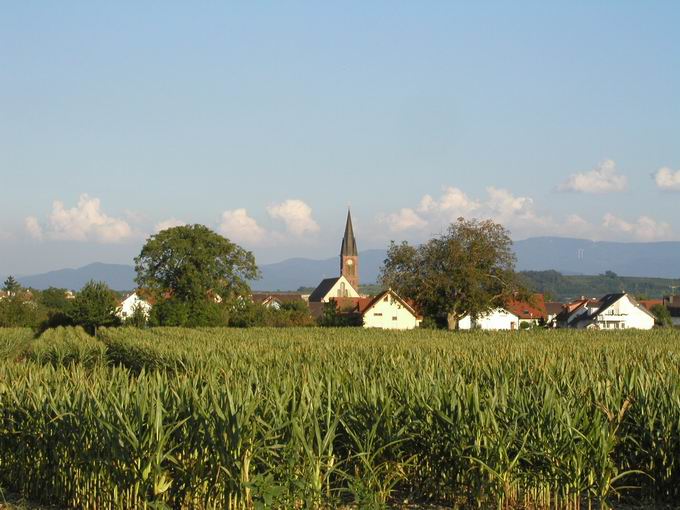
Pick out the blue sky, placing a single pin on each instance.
(264, 121)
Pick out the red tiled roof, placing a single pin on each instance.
(534, 308)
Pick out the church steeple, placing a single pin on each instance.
(349, 256)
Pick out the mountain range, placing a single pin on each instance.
(566, 255)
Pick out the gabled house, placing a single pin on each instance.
(572, 312)
(616, 311)
(513, 315)
(137, 299)
(387, 310)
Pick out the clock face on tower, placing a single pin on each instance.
(350, 262)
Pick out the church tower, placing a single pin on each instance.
(349, 256)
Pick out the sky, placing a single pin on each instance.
(266, 120)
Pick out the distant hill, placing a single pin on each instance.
(579, 256)
(567, 256)
(117, 276)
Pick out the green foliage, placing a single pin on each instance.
(15, 311)
(469, 270)
(325, 418)
(94, 307)
(192, 314)
(139, 317)
(663, 316)
(191, 261)
(334, 318)
(566, 287)
(54, 299)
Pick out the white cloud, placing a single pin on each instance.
(239, 227)
(169, 223)
(601, 179)
(33, 227)
(520, 215)
(404, 219)
(667, 179)
(642, 229)
(296, 215)
(84, 222)
(500, 205)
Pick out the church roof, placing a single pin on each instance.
(349, 244)
(323, 288)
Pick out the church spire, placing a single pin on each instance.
(349, 244)
(349, 256)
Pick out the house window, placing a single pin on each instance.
(394, 318)
(377, 315)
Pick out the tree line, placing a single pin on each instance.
(196, 277)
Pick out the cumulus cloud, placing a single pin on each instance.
(404, 219)
(499, 204)
(84, 222)
(642, 229)
(667, 179)
(520, 215)
(601, 179)
(169, 223)
(296, 215)
(33, 227)
(239, 227)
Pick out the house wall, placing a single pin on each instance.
(389, 313)
(495, 320)
(626, 314)
(338, 291)
(127, 307)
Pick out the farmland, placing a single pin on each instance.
(320, 418)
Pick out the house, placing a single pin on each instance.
(347, 284)
(494, 320)
(552, 310)
(616, 311)
(673, 305)
(138, 299)
(277, 299)
(572, 312)
(387, 310)
(516, 314)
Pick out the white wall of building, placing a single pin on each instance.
(390, 313)
(498, 319)
(128, 305)
(624, 315)
(342, 288)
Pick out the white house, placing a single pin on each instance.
(388, 311)
(127, 306)
(498, 319)
(616, 311)
(332, 288)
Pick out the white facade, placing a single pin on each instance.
(127, 307)
(498, 319)
(389, 312)
(624, 313)
(341, 289)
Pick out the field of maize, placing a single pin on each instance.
(326, 418)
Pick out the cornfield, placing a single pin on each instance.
(325, 418)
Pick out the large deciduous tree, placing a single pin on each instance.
(468, 270)
(190, 265)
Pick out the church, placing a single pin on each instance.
(347, 284)
(384, 311)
